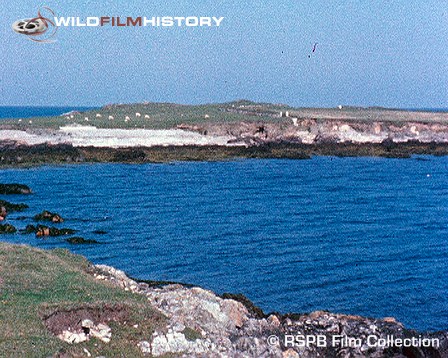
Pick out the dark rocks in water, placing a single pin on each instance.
(7, 229)
(14, 154)
(52, 231)
(10, 207)
(130, 155)
(42, 230)
(3, 213)
(30, 229)
(14, 189)
(100, 232)
(49, 216)
(80, 241)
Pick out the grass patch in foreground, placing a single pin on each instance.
(36, 283)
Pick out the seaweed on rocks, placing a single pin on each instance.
(49, 216)
(11, 207)
(14, 188)
(42, 230)
(76, 240)
(7, 229)
(100, 232)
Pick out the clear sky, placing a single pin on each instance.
(378, 52)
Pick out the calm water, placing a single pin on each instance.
(355, 235)
(27, 112)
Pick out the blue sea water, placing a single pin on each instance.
(361, 236)
(27, 112)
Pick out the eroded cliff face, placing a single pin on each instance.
(312, 131)
(203, 324)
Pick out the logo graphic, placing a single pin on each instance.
(43, 28)
(37, 28)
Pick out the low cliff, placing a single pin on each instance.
(231, 326)
(324, 131)
(57, 304)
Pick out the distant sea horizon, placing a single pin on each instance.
(44, 111)
(38, 111)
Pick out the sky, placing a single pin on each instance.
(368, 53)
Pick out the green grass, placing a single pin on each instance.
(162, 116)
(35, 282)
(169, 115)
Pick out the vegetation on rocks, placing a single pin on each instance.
(10, 207)
(80, 241)
(48, 216)
(42, 230)
(7, 229)
(14, 189)
(42, 291)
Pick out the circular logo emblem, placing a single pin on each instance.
(36, 28)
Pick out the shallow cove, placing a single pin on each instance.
(354, 235)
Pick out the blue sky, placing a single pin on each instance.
(385, 53)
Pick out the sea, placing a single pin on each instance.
(31, 111)
(365, 236)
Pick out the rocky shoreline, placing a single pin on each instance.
(56, 304)
(242, 129)
(16, 155)
(203, 324)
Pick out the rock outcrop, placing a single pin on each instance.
(202, 324)
(11, 207)
(49, 216)
(7, 229)
(14, 189)
(81, 241)
(42, 230)
(337, 131)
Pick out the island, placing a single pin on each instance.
(164, 132)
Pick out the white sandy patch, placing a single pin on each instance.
(348, 134)
(84, 136)
(23, 137)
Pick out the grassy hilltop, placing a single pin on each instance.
(169, 115)
(161, 115)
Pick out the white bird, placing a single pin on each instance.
(111, 117)
(138, 114)
(98, 115)
(127, 118)
(86, 119)
(30, 122)
(146, 116)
